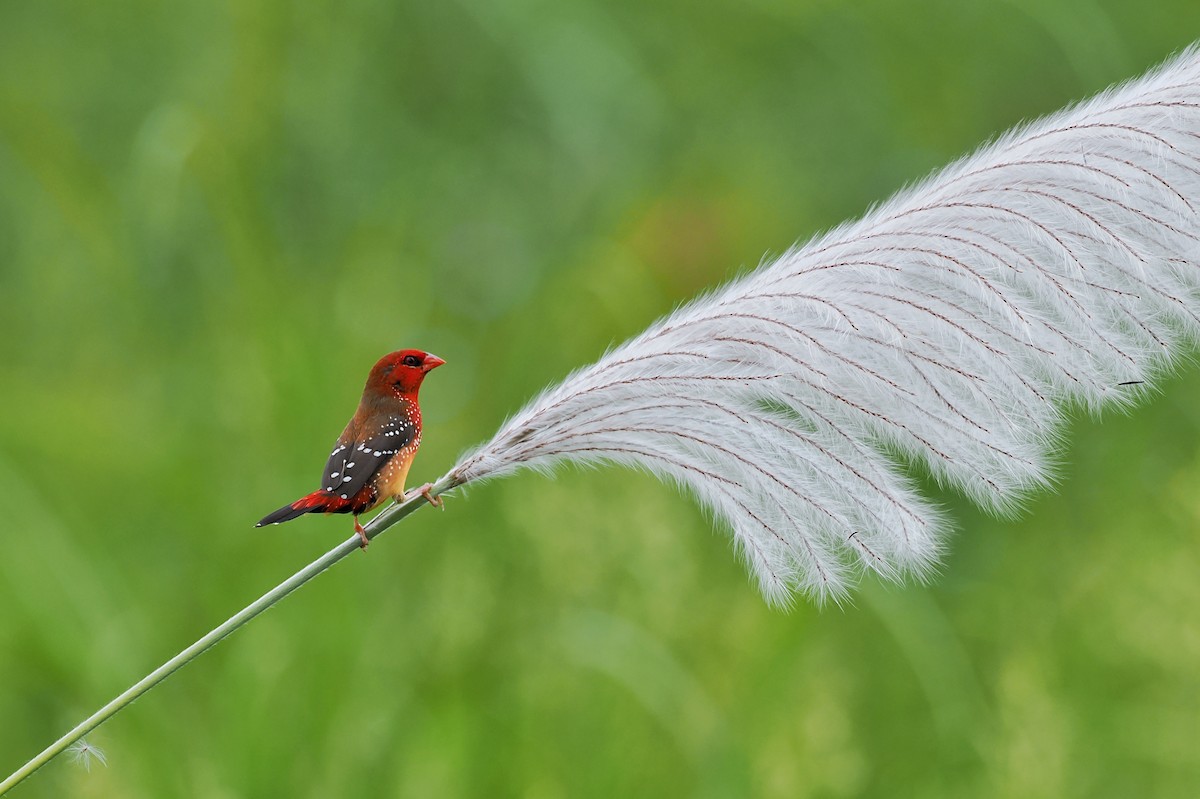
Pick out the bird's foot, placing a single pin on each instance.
(424, 491)
(362, 533)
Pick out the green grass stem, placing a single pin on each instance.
(373, 528)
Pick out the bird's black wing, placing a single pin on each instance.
(354, 462)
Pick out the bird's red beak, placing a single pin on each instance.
(431, 362)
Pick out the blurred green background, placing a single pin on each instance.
(215, 217)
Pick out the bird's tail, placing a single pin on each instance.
(316, 502)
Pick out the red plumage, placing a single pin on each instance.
(370, 460)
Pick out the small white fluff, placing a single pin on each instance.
(1058, 265)
(84, 753)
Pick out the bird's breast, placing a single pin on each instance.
(391, 480)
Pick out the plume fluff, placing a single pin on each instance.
(950, 326)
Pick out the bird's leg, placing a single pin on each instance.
(434, 501)
(362, 533)
(423, 491)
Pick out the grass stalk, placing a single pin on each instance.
(376, 526)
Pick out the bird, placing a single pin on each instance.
(371, 458)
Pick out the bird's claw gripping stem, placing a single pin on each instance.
(424, 491)
(362, 533)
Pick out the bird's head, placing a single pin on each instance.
(400, 373)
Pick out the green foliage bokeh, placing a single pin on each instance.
(215, 217)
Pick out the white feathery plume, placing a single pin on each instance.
(1059, 265)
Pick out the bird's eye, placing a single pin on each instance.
(412, 360)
